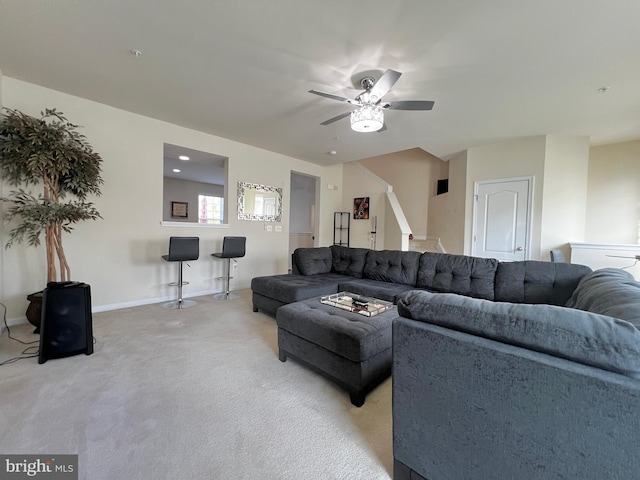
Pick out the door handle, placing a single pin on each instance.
(519, 249)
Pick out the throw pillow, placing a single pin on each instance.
(609, 291)
(582, 337)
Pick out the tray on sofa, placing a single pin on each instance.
(353, 302)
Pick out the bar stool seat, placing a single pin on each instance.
(232, 248)
(181, 249)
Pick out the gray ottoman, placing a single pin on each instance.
(351, 349)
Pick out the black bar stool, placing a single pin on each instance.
(232, 248)
(181, 249)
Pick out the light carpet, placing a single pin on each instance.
(197, 393)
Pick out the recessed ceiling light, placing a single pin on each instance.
(332, 152)
(183, 157)
(603, 89)
(176, 170)
(135, 52)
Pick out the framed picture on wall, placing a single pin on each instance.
(179, 209)
(361, 208)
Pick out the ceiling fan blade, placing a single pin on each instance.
(336, 118)
(329, 95)
(384, 84)
(410, 105)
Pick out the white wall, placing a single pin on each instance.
(120, 256)
(613, 200)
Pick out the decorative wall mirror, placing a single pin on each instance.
(259, 202)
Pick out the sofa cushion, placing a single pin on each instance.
(609, 291)
(583, 337)
(312, 261)
(348, 261)
(373, 288)
(471, 276)
(294, 288)
(531, 281)
(392, 266)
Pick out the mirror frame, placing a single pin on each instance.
(242, 215)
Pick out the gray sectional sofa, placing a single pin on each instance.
(501, 370)
(387, 274)
(493, 390)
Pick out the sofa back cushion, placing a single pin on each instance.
(531, 281)
(609, 291)
(392, 266)
(312, 261)
(583, 337)
(348, 261)
(471, 276)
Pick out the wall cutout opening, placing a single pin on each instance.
(196, 182)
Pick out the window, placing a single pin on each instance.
(210, 209)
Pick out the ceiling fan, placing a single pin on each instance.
(369, 116)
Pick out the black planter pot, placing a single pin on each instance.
(34, 310)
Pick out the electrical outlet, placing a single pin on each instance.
(235, 266)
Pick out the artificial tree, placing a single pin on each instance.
(47, 152)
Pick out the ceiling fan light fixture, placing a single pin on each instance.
(367, 118)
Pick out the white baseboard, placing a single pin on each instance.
(117, 306)
(163, 299)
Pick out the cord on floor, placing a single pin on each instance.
(26, 353)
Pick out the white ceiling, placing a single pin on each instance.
(241, 69)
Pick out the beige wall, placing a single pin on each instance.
(564, 193)
(447, 211)
(413, 174)
(580, 193)
(359, 183)
(2, 249)
(512, 159)
(330, 201)
(558, 166)
(177, 190)
(613, 195)
(120, 256)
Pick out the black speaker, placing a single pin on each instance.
(66, 327)
(443, 186)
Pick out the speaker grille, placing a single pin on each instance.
(66, 327)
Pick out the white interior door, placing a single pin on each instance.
(502, 218)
